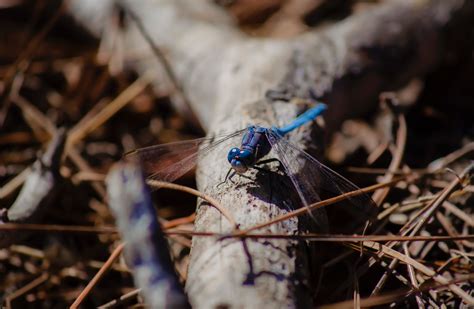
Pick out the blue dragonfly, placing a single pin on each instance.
(311, 179)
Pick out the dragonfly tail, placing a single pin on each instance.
(307, 116)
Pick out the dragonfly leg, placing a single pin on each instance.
(230, 174)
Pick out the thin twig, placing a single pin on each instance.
(324, 203)
(52, 228)
(107, 265)
(210, 199)
(48, 228)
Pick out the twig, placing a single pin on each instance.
(102, 271)
(324, 237)
(47, 228)
(12, 227)
(210, 199)
(327, 202)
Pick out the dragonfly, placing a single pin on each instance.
(310, 178)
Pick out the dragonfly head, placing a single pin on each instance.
(240, 160)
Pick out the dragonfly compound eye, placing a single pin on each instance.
(239, 166)
(233, 154)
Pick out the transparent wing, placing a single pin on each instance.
(314, 181)
(168, 162)
(294, 165)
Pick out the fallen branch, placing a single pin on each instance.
(38, 191)
(146, 249)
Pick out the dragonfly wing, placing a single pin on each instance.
(168, 162)
(294, 165)
(316, 181)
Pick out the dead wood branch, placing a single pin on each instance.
(146, 249)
